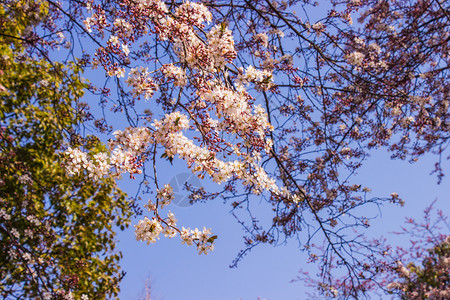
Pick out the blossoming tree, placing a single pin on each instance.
(273, 99)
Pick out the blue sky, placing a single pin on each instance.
(176, 271)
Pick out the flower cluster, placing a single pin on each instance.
(113, 40)
(171, 123)
(193, 14)
(141, 82)
(126, 149)
(221, 45)
(179, 29)
(262, 39)
(191, 50)
(234, 106)
(355, 58)
(165, 195)
(319, 28)
(202, 160)
(154, 8)
(203, 239)
(127, 146)
(133, 139)
(148, 230)
(123, 27)
(87, 24)
(174, 73)
(188, 46)
(77, 161)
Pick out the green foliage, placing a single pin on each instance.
(432, 279)
(56, 231)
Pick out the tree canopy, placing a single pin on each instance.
(275, 100)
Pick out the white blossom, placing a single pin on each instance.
(355, 58)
